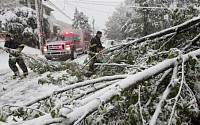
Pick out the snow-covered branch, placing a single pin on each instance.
(89, 91)
(91, 103)
(176, 29)
(179, 92)
(121, 65)
(164, 96)
(21, 107)
(157, 83)
(140, 107)
(30, 58)
(192, 42)
(77, 85)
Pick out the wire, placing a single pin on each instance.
(72, 9)
(88, 8)
(81, 8)
(101, 4)
(59, 10)
(100, 1)
(153, 7)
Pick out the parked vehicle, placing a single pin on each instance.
(67, 45)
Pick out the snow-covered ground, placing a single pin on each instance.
(20, 91)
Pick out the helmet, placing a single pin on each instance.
(99, 32)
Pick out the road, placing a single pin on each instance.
(20, 91)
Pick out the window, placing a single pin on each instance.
(63, 38)
(54, 39)
(23, 2)
(33, 4)
(69, 38)
(48, 12)
(58, 38)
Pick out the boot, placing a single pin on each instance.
(24, 75)
(16, 74)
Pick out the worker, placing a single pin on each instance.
(95, 48)
(14, 49)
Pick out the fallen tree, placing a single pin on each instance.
(92, 103)
(136, 98)
(167, 33)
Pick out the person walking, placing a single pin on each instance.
(14, 49)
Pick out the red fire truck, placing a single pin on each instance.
(67, 45)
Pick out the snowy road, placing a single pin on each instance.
(21, 91)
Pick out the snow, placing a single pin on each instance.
(92, 102)
(163, 98)
(55, 13)
(7, 16)
(3, 62)
(17, 91)
(23, 92)
(28, 30)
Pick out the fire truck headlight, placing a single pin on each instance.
(45, 48)
(68, 47)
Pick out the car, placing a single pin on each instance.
(67, 45)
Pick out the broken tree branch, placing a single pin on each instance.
(179, 92)
(163, 98)
(91, 103)
(77, 85)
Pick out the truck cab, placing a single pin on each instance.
(67, 45)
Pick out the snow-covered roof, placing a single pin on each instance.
(58, 15)
(46, 4)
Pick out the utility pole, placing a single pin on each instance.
(93, 25)
(39, 11)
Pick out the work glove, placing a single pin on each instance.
(13, 59)
(15, 52)
(7, 50)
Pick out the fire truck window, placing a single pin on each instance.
(55, 39)
(60, 38)
(68, 38)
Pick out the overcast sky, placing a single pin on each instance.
(100, 10)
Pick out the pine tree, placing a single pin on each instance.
(80, 21)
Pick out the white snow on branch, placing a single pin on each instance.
(106, 94)
(163, 98)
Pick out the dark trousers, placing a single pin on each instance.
(91, 65)
(20, 62)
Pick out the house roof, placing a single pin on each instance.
(47, 5)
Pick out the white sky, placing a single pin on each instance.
(100, 10)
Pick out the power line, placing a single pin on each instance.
(88, 8)
(59, 10)
(101, 4)
(95, 1)
(81, 8)
(72, 9)
(154, 7)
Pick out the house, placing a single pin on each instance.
(47, 13)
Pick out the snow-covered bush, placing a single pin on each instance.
(71, 73)
(21, 22)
